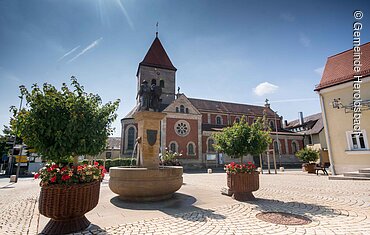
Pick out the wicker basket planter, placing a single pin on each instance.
(310, 168)
(66, 206)
(243, 184)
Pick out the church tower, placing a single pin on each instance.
(157, 65)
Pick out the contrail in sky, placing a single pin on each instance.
(68, 53)
(89, 47)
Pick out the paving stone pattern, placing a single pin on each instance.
(335, 207)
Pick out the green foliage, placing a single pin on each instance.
(63, 123)
(4, 148)
(115, 162)
(308, 155)
(242, 139)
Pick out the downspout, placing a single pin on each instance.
(332, 168)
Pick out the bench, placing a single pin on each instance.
(321, 167)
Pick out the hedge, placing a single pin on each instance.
(115, 162)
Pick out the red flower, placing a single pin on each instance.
(96, 163)
(65, 177)
(36, 175)
(53, 179)
(54, 166)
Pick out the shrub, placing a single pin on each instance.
(308, 155)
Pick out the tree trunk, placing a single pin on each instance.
(241, 159)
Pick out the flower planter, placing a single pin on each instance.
(243, 184)
(310, 168)
(66, 206)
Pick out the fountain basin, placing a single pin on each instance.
(143, 184)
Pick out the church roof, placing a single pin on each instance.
(157, 57)
(227, 107)
(339, 67)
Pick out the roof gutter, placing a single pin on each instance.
(328, 140)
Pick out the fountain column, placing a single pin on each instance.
(149, 125)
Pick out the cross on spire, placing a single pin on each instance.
(156, 32)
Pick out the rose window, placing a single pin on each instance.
(182, 128)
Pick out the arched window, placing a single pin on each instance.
(186, 110)
(177, 109)
(182, 109)
(161, 83)
(131, 136)
(294, 147)
(218, 120)
(173, 147)
(210, 147)
(191, 149)
(237, 120)
(276, 147)
(272, 125)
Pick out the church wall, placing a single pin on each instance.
(182, 141)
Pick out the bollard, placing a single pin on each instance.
(209, 171)
(13, 178)
(281, 169)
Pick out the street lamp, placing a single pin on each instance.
(277, 139)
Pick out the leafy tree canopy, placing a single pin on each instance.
(63, 123)
(242, 139)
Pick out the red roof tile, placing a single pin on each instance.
(226, 107)
(339, 67)
(157, 57)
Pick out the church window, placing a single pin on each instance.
(210, 144)
(272, 126)
(218, 120)
(130, 138)
(276, 147)
(294, 147)
(177, 109)
(173, 147)
(237, 120)
(191, 149)
(182, 109)
(161, 83)
(186, 110)
(182, 128)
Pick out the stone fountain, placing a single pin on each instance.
(148, 181)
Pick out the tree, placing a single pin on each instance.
(62, 123)
(242, 139)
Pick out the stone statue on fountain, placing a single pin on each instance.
(149, 96)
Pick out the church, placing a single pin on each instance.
(189, 123)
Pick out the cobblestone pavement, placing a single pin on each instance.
(17, 207)
(335, 207)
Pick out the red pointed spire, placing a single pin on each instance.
(157, 57)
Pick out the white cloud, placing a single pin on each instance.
(68, 53)
(320, 70)
(265, 88)
(287, 17)
(304, 40)
(89, 47)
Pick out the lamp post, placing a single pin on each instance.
(15, 141)
(277, 140)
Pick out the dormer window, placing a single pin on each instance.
(219, 120)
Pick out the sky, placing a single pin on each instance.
(237, 51)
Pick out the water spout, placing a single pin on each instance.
(137, 142)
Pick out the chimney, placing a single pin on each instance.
(300, 118)
(285, 123)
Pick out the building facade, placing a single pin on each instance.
(189, 123)
(345, 104)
